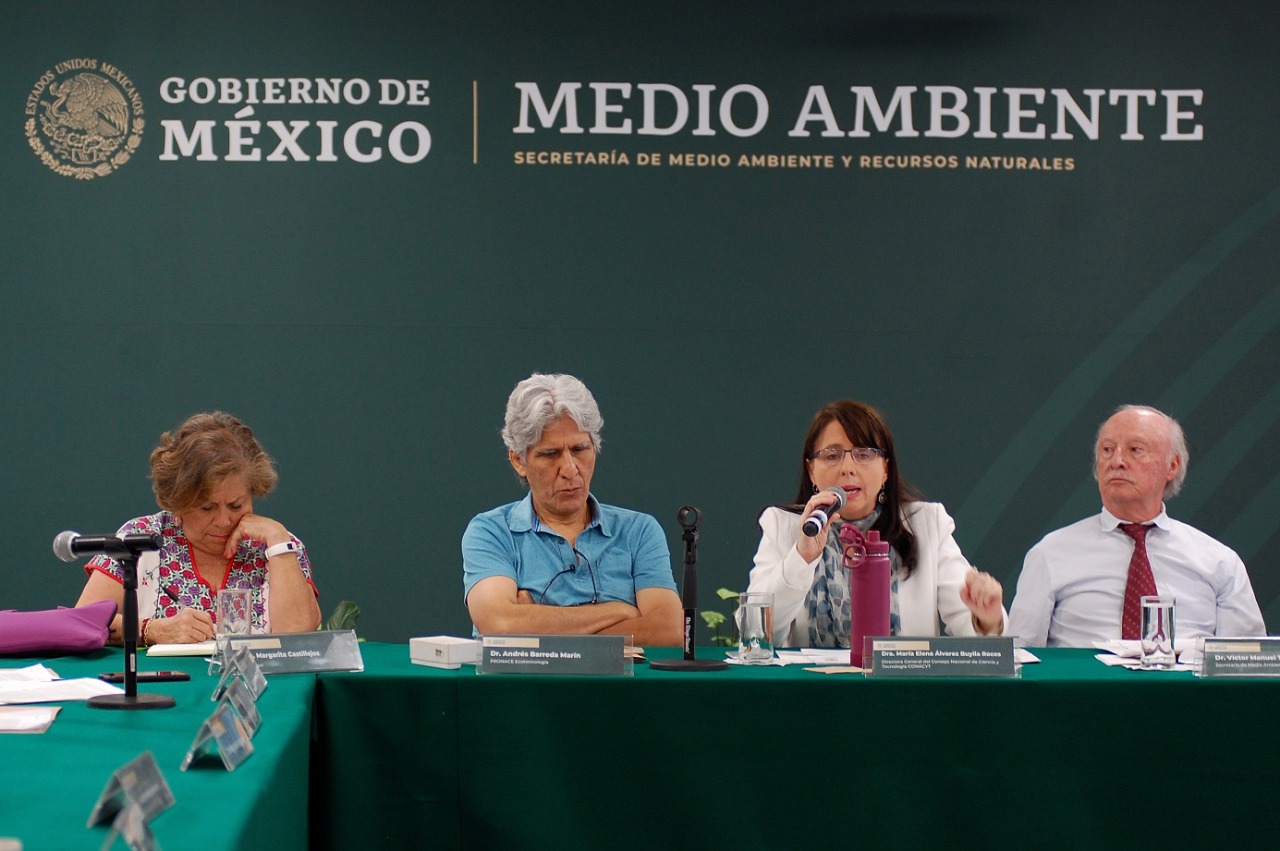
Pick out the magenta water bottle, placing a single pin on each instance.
(869, 569)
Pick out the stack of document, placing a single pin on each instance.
(38, 684)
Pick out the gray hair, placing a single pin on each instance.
(1177, 446)
(538, 400)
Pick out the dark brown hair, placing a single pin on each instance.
(203, 452)
(864, 426)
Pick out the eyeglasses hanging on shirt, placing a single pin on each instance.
(579, 560)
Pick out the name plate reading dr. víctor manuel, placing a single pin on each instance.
(1238, 657)
(931, 656)
(598, 655)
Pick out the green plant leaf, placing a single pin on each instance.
(344, 616)
(726, 594)
(713, 619)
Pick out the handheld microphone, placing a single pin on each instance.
(69, 546)
(822, 515)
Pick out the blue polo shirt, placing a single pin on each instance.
(623, 551)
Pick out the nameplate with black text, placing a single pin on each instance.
(576, 655)
(935, 656)
(1238, 657)
(302, 652)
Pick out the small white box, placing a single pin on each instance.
(444, 651)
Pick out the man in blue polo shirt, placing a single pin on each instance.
(559, 561)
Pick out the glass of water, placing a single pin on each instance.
(233, 612)
(755, 627)
(1157, 632)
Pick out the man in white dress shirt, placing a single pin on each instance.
(1072, 588)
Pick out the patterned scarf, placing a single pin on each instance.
(828, 599)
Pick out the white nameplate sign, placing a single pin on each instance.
(576, 655)
(937, 656)
(302, 652)
(224, 731)
(1238, 657)
(138, 781)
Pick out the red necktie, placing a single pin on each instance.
(1140, 583)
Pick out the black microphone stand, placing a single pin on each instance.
(688, 517)
(127, 556)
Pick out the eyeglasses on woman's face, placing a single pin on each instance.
(833, 455)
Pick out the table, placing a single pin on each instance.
(49, 782)
(783, 758)
(403, 756)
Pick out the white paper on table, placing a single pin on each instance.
(80, 688)
(26, 719)
(815, 656)
(1114, 661)
(1023, 656)
(29, 674)
(199, 648)
(1131, 648)
(731, 656)
(1128, 648)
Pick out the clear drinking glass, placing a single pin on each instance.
(233, 612)
(755, 627)
(1157, 632)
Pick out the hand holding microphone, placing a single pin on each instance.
(822, 514)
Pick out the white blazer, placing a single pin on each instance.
(930, 598)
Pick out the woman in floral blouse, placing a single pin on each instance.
(206, 474)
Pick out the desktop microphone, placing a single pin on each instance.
(822, 514)
(688, 518)
(69, 546)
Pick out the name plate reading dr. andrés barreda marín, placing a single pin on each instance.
(576, 655)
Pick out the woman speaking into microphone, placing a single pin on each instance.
(849, 451)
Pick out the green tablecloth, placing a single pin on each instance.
(49, 782)
(1072, 755)
(408, 756)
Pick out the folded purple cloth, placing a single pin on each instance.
(59, 630)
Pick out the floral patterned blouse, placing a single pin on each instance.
(169, 580)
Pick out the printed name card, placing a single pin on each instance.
(225, 732)
(1238, 657)
(936, 656)
(132, 825)
(576, 655)
(242, 702)
(238, 664)
(139, 783)
(301, 652)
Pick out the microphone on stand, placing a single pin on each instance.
(69, 546)
(125, 549)
(689, 517)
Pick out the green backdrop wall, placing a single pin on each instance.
(1096, 223)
